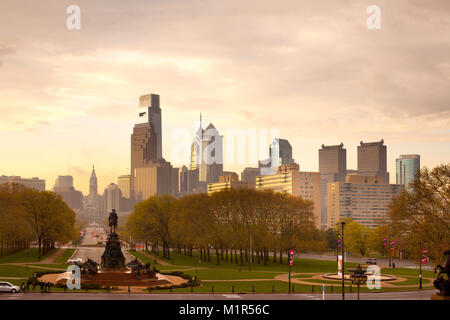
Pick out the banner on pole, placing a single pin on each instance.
(339, 265)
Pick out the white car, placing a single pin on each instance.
(8, 287)
(74, 260)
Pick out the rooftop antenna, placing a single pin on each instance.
(68, 165)
(200, 120)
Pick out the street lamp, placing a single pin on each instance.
(343, 259)
(290, 253)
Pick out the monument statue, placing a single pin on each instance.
(113, 258)
(112, 221)
(443, 285)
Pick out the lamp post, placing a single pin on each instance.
(291, 258)
(343, 260)
(420, 265)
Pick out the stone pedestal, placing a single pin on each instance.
(112, 258)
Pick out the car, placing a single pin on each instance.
(8, 287)
(371, 261)
(74, 260)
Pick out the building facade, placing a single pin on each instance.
(407, 166)
(154, 179)
(111, 199)
(123, 182)
(249, 175)
(365, 199)
(332, 167)
(372, 160)
(289, 179)
(226, 182)
(33, 183)
(207, 154)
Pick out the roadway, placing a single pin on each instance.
(88, 250)
(408, 295)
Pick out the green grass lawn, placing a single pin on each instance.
(17, 271)
(30, 254)
(65, 256)
(407, 272)
(300, 265)
(229, 271)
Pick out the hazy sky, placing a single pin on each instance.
(311, 69)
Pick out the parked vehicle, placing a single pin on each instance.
(74, 260)
(8, 287)
(371, 261)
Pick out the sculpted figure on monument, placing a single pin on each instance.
(112, 221)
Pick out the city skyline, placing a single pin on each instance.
(72, 96)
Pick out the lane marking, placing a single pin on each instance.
(232, 296)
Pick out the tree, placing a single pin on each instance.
(49, 216)
(421, 217)
(356, 237)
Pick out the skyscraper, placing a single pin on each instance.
(332, 167)
(64, 187)
(280, 153)
(123, 182)
(93, 190)
(146, 144)
(111, 198)
(207, 154)
(407, 167)
(372, 160)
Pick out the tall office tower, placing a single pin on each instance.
(146, 139)
(280, 153)
(64, 181)
(123, 182)
(372, 160)
(407, 167)
(93, 190)
(64, 187)
(111, 198)
(207, 154)
(332, 167)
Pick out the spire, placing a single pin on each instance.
(93, 182)
(200, 119)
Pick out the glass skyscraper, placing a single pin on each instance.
(407, 167)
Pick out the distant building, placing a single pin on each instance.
(289, 179)
(146, 139)
(64, 181)
(93, 187)
(364, 199)
(64, 187)
(154, 179)
(249, 175)
(207, 154)
(150, 173)
(111, 198)
(407, 167)
(93, 202)
(226, 182)
(187, 180)
(123, 182)
(72, 197)
(332, 167)
(372, 160)
(280, 152)
(33, 183)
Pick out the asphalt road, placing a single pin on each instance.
(409, 295)
(95, 253)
